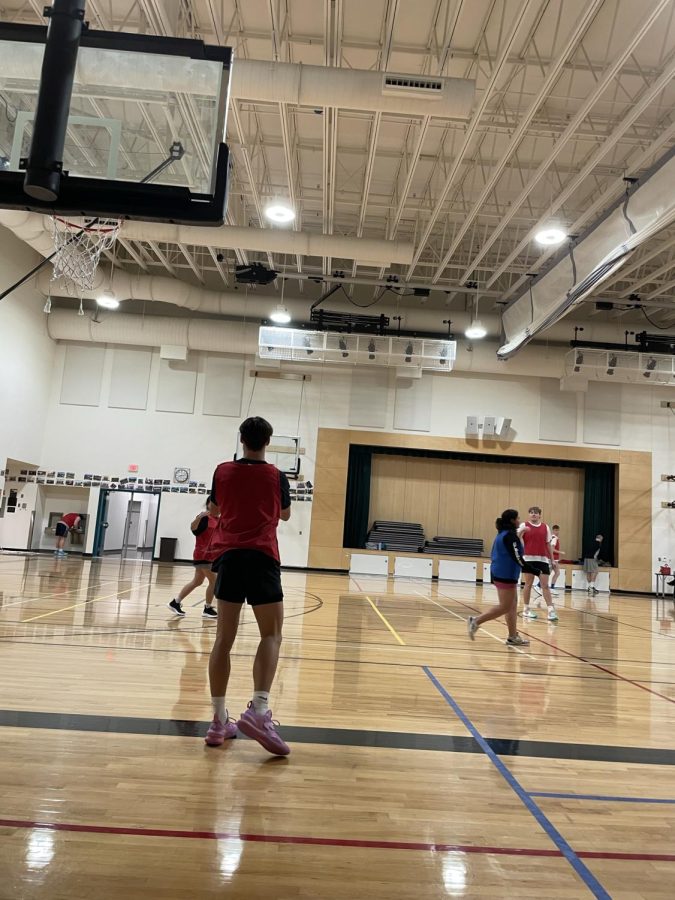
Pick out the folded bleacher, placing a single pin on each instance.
(453, 546)
(407, 537)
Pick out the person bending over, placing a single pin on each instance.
(68, 522)
(506, 565)
(252, 496)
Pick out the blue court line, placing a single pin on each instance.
(579, 867)
(609, 798)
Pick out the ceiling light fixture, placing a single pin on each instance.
(108, 300)
(280, 213)
(280, 315)
(550, 236)
(476, 330)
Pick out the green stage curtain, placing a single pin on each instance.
(599, 507)
(357, 507)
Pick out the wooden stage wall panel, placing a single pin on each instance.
(458, 498)
(634, 494)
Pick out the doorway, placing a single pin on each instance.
(126, 524)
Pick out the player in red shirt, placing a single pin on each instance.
(536, 538)
(68, 522)
(252, 496)
(203, 527)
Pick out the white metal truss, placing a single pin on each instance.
(571, 96)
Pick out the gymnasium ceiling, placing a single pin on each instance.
(468, 198)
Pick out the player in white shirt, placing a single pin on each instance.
(556, 555)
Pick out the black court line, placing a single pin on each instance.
(343, 737)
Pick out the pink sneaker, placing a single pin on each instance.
(260, 727)
(218, 732)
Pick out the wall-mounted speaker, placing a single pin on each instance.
(489, 426)
(472, 425)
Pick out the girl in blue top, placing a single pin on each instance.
(506, 565)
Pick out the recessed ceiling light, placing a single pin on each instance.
(280, 213)
(108, 300)
(551, 236)
(280, 315)
(476, 330)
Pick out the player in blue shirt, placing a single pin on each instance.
(507, 563)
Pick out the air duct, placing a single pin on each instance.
(601, 251)
(35, 230)
(209, 335)
(256, 306)
(112, 77)
(360, 89)
(241, 338)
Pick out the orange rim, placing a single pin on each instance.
(88, 228)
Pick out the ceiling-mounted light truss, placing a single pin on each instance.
(300, 345)
(624, 366)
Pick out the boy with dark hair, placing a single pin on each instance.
(591, 556)
(252, 496)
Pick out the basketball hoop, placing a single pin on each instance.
(78, 247)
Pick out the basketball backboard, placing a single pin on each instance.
(283, 452)
(134, 97)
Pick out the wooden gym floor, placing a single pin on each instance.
(422, 765)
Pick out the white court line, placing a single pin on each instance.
(484, 630)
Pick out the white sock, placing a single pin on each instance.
(218, 704)
(261, 702)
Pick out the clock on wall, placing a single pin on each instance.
(181, 475)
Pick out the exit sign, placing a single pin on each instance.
(133, 467)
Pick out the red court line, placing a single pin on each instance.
(324, 842)
(277, 838)
(574, 656)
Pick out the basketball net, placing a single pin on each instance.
(78, 246)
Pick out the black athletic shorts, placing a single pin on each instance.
(541, 568)
(61, 529)
(248, 575)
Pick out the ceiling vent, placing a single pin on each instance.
(413, 86)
